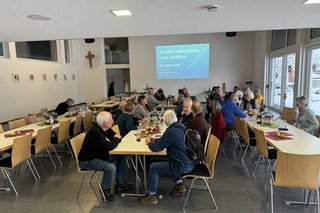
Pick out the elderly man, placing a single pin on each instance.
(178, 162)
(94, 154)
(186, 113)
(64, 106)
(152, 101)
(198, 122)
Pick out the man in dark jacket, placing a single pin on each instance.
(94, 154)
(178, 162)
(64, 106)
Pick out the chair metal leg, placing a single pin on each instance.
(189, 191)
(81, 184)
(70, 150)
(135, 169)
(141, 164)
(317, 200)
(97, 179)
(30, 167)
(254, 151)
(4, 176)
(35, 169)
(245, 151)
(214, 202)
(271, 196)
(55, 151)
(8, 176)
(51, 158)
(257, 164)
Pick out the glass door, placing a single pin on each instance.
(281, 81)
(314, 80)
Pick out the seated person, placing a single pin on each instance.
(306, 119)
(230, 109)
(187, 112)
(152, 101)
(248, 101)
(258, 97)
(198, 122)
(125, 120)
(94, 154)
(64, 106)
(185, 92)
(140, 111)
(179, 108)
(159, 95)
(120, 110)
(247, 90)
(178, 161)
(218, 97)
(237, 90)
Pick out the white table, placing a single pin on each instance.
(130, 146)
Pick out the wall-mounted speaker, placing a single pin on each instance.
(231, 34)
(89, 40)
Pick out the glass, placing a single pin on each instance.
(138, 136)
(314, 81)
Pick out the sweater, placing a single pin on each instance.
(125, 124)
(62, 108)
(308, 122)
(140, 112)
(97, 144)
(229, 110)
(152, 102)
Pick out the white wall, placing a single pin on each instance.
(19, 99)
(231, 60)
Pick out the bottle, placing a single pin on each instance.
(259, 118)
(138, 134)
(250, 110)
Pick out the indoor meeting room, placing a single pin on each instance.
(160, 106)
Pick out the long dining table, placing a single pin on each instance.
(297, 141)
(130, 146)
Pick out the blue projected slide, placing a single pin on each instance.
(182, 61)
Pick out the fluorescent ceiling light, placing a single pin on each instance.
(39, 17)
(312, 2)
(121, 12)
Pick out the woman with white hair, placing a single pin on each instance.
(248, 101)
(178, 161)
(306, 118)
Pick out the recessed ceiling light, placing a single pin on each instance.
(39, 17)
(212, 8)
(121, 12)
(311, 2)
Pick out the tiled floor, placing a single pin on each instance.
(234, 188)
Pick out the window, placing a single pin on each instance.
(39, 50)
(314, 33)
(283, 38)
(67, 51)
(314, 80)
(116, 51)
(1, 49)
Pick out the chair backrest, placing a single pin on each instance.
(219, 126)
(17, 123)
(44, 110)
(76, 144)
(288, 114)
(30, 119)
(242, 129)
(87, 120)
(318, 118)
(1, 129)
(63, 131)
(212, 152)
(207, 140)
(262, 145)
(297, 171)
(116, 129)
(43, 141)
(77, 125)
(21, 149)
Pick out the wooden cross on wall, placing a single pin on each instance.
(90, 57)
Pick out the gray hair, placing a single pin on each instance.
(103, 117)
(188, 101)
(302, 100)
(169, 117)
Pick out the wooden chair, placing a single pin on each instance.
(263, 149)
(116, 129)
(30, 119)
(244, 133)
(63, 136)
(17, 123)
(77, 126)
(288, 114)
(296, 171)
(207, 141)
(1, 129)
(238, 127)
(76, 144)
(43, 142)
(87, 121)
(21, 152)
(205, 171)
